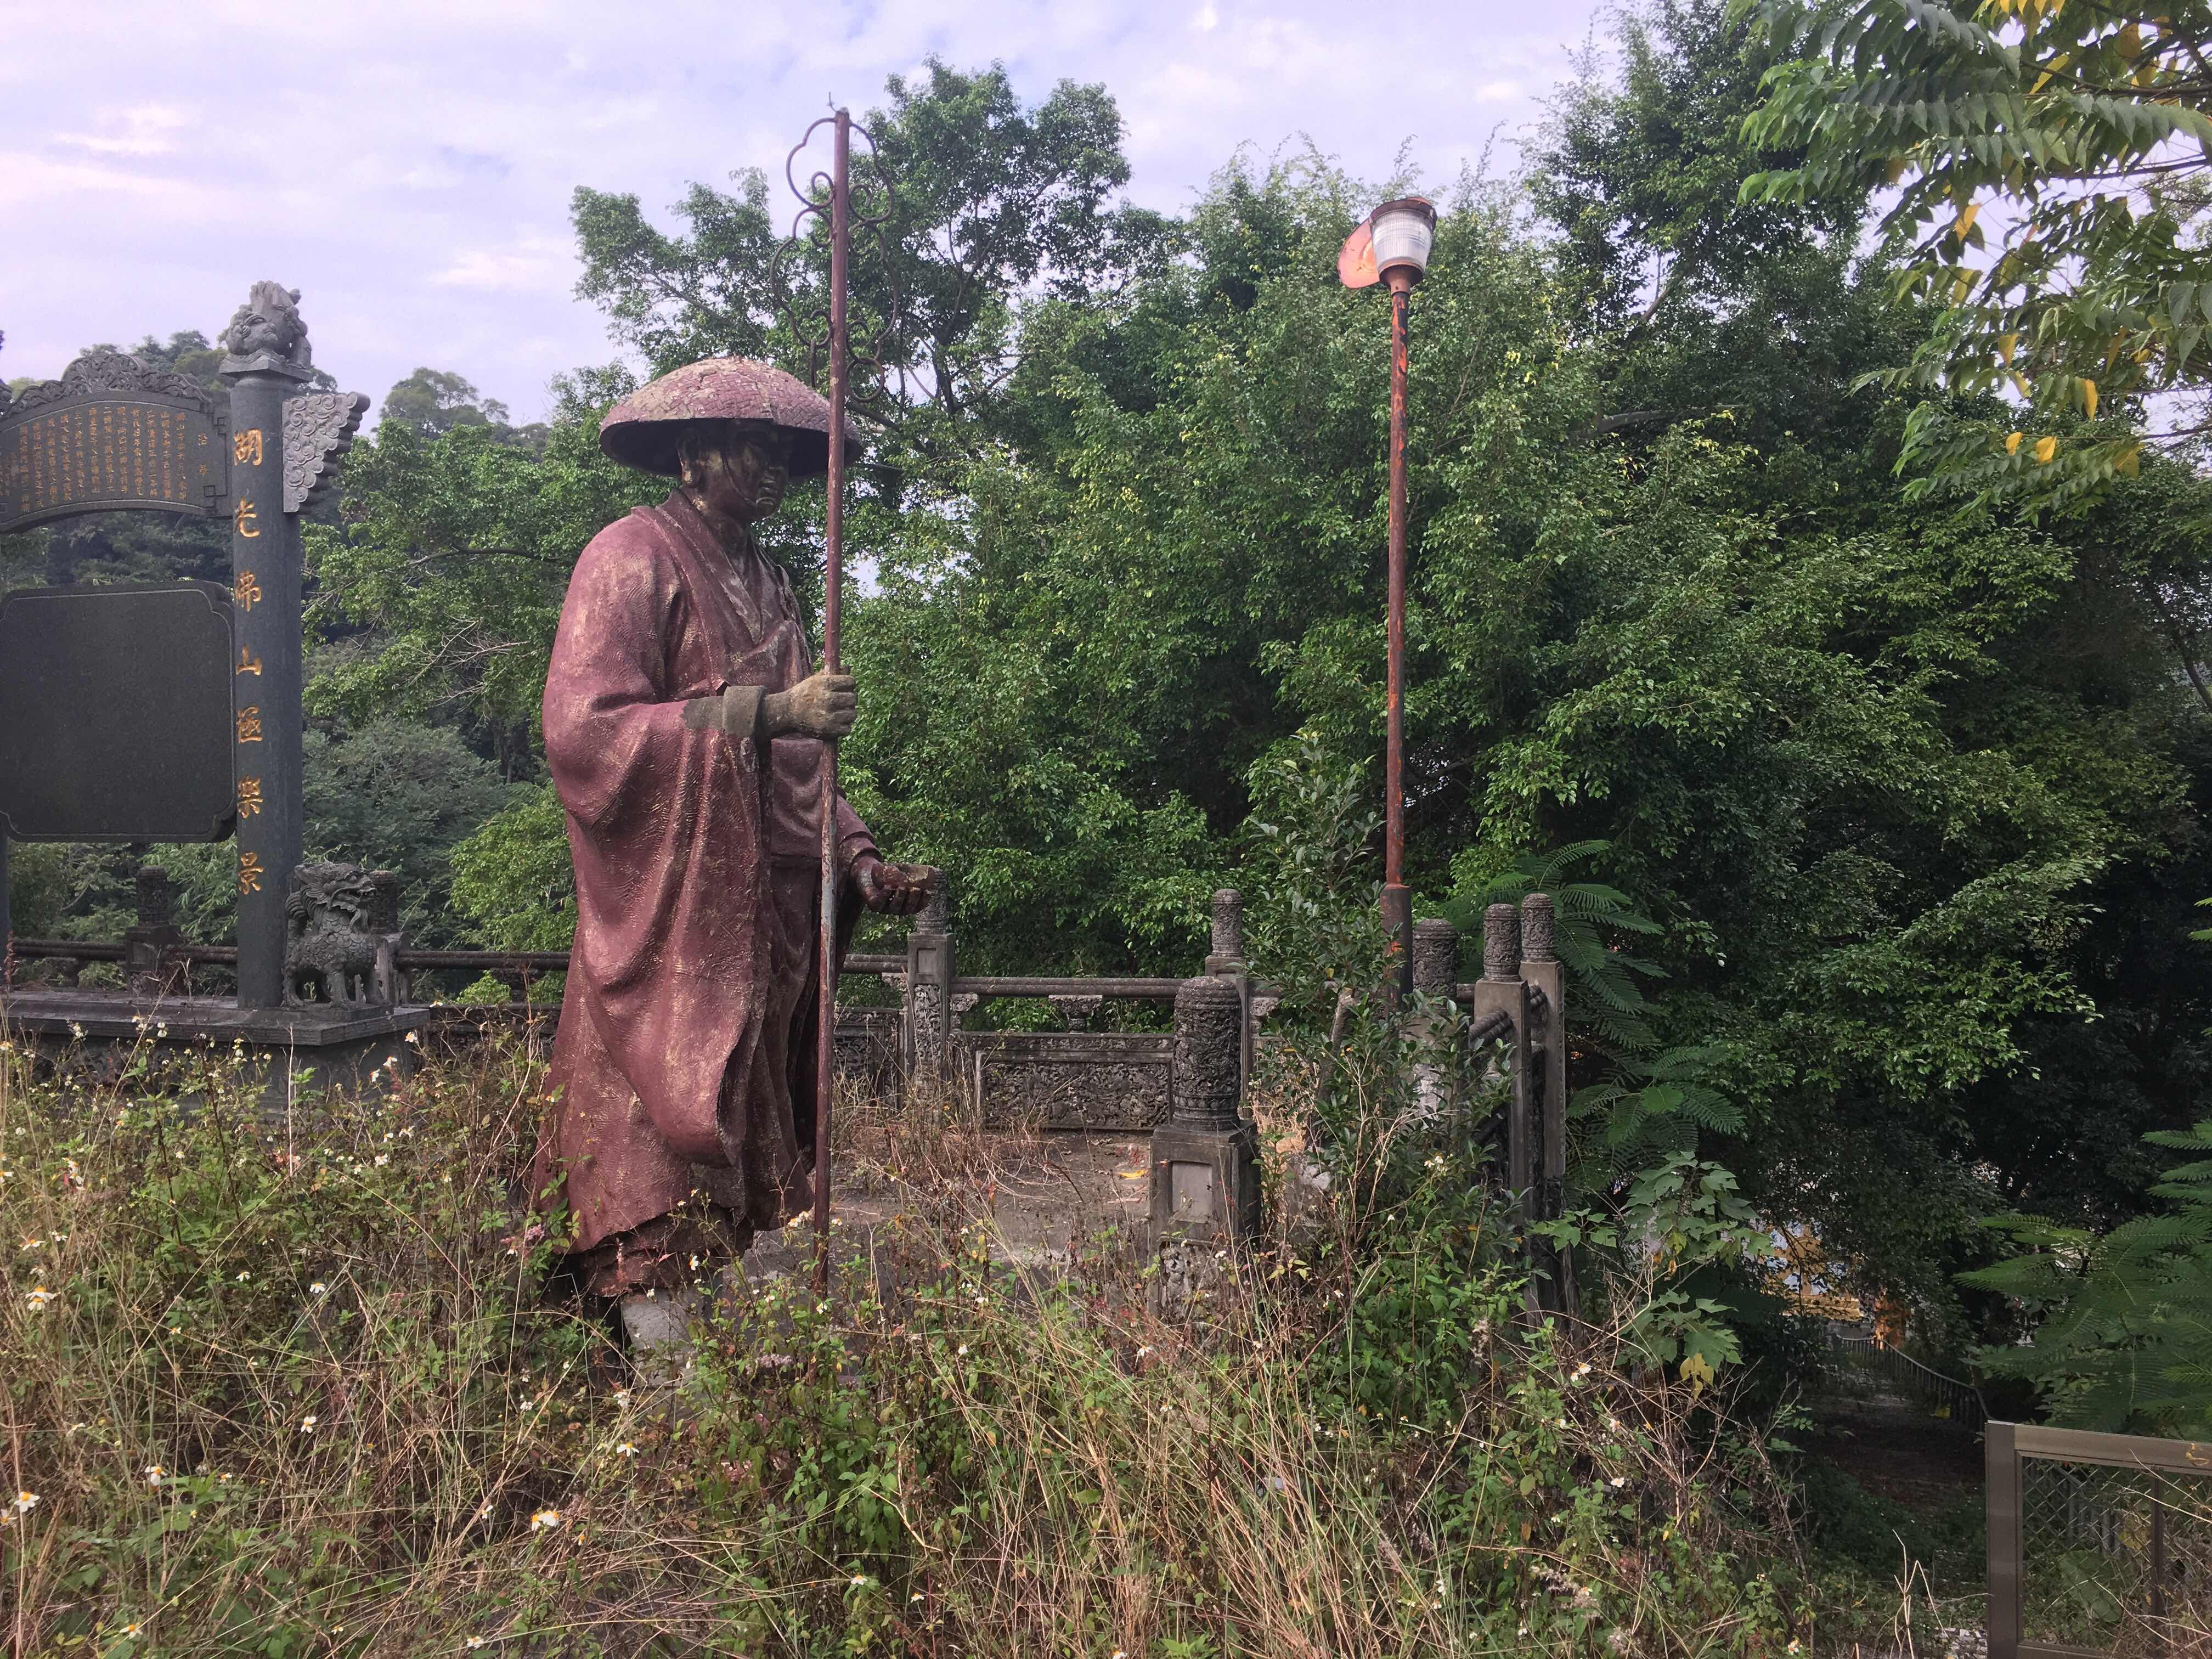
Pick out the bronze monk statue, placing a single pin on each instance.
(685, 727)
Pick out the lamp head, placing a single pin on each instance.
(1403, 231)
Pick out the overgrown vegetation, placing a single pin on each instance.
(1899, 812)
(294, 1386)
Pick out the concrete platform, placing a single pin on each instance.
(295, 1051)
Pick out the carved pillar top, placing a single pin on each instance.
(1435, 956)
(154, 899)
(1501, 942)
(1209, 1054)
(268, 335)
(1077, 1012)
(936, 916)
(1229, 925)
(384, 911)
(1537, 926)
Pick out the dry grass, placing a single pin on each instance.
(293, 1389)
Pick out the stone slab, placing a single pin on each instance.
(340, 1049)
(115, 714)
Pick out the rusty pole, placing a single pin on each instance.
(1397, 897)
(833, 577)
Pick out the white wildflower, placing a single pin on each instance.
(154, 1473)
(545, 1520)
(26, 1502)
(319, 1289)
(307, 1424)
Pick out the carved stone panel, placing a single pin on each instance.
(867, 1049)
(111, 434)
(1114, 1080)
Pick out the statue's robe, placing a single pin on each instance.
(684, 1068)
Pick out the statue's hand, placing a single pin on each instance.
(894, 889)
(823, 705)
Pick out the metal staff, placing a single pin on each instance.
(831, 199)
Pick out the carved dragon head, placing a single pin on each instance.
(270, 322)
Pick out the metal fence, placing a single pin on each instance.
(1948, 1396)
(2099, 1544)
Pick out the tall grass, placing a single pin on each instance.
(296, 1387)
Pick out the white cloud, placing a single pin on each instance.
(144, 129)
(408, 165)
(531, 263)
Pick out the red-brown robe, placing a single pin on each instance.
(684, 1062)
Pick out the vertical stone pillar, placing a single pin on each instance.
(1547, 1056)
(1228, 953)
(930, 971)
(389, 985)
(1206, 1166)
(1227, 959)
(265, 587)
(1502, 990)
(146, 945)
(1436, 957)
(1436, 974)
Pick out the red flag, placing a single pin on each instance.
(1355, 261)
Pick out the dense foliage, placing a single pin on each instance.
(2083, 131)
(1912, 804)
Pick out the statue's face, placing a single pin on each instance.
(741, 476)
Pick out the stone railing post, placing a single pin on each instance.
(1501, 989)
(386, 984)
(147, 970)
(1206, 1166)
(1436, 974)
(927, 1044)
(1228, 953)
(1226, 960)
(1546, 1049)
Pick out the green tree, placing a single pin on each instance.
(1907, 799)
(433, 401)
(2082, 132)
(2125, 1341)
(996, 206)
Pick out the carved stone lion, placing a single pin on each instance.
(270, 323)
(337, 916)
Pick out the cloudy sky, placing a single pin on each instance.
(408, 165)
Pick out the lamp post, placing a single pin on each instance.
(1393, 248)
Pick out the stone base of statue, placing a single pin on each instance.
(289, 1055)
